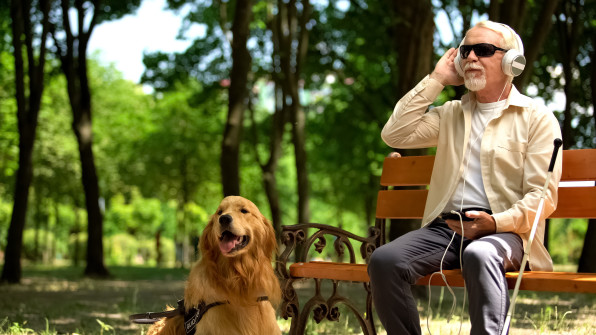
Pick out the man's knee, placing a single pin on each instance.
(479, 254)
(385, 263)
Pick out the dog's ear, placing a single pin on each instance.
(206, 241)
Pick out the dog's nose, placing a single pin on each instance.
(225, 220)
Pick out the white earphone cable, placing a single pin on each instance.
(461, 248)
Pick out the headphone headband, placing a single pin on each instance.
(518, 40)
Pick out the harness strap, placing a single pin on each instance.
(152, 317)
(191, 318)
(195, 314)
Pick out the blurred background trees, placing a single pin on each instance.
(279, 101)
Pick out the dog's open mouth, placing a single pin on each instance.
(229, 242)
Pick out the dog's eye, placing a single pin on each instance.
(243, 211)
(219, 212)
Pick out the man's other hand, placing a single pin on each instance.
(445, 71)
(483, 224)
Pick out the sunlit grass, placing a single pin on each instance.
(58, 300)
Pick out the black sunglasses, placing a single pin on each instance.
(480, 50)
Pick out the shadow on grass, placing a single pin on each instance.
(59, 300)
(536, 312)
(70, 303)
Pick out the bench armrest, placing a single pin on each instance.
(296, 241)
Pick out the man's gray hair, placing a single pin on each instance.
(510, 37)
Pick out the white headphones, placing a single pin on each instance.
(513, 62)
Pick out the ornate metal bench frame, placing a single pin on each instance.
(296, 240)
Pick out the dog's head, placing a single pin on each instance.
(237, 228)
(236, 253)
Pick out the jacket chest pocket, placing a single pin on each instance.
(509, 159)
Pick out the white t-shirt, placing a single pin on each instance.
(470, 186)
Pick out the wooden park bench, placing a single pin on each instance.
(397, 199)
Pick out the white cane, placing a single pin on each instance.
(511, 310)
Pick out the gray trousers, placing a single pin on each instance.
(397, 265)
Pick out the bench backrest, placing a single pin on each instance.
(395, 202)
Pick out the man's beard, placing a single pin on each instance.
(472, 81)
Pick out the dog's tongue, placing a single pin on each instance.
(228, 242)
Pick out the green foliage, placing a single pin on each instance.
(566, 239)
(121, 249)
(122, 119)
(136, 216)
(36, 241)
(157, 156)
(55, 153)
(110, 10)
(127, 250)
(5, 214)
(15, 328)
(105, 327)
(549, 320)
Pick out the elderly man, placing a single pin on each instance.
(493, 151)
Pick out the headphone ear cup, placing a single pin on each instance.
(457, 62)
(513, 63)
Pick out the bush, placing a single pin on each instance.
(566, 239)
(125, 249)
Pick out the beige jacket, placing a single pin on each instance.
(515, 153)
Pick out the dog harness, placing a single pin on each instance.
(191, 318)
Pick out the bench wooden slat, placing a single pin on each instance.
(401, 204)
(579, 165)
(576, 202)
(532, 280)
(407, 171)
(329, 270)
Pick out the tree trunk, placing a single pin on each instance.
(292, 32)
(414, 61)
(512, 13)
(74, 66)
(414, 53)
(95, 264)
(158, 253)
(229, 161)
(269, 169)
(587, 260)
(278, 121)
(273, 197)
(299, 116)
(14, 245)
(27, 114)
(37, 217)
(533, 46)
(593, 80)
(75, 232)
(569, 32)
(299, 141)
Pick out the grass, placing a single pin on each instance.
(58, 300)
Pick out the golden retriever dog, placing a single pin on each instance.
(234, 276)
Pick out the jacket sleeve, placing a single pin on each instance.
(410, 126)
